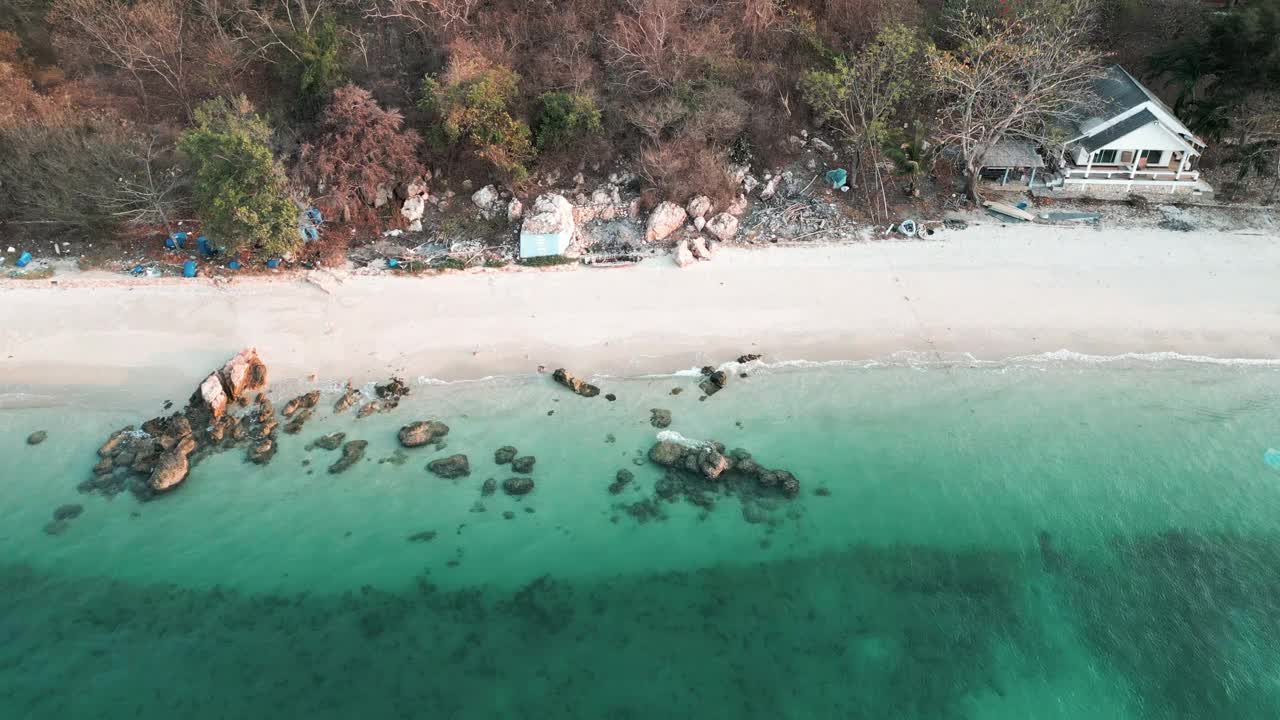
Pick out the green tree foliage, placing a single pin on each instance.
(1238, 54)
(474, 108)
(240, 191)
(312, 68)
(564, 118)
(861, 93)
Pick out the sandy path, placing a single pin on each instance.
(989, 290)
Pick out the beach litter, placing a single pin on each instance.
(273, 263)
(233, 265)
(907, 227)
(23, 260)
(1089, 217)
(189, 269)
(1009, 211)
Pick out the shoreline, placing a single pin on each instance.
(992, 291)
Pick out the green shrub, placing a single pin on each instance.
(476, 110)
(241, 194)
(564, 118)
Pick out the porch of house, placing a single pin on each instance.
(1172, 166)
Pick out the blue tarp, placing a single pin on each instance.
(273, 263)
(202, 242)
(189, 269)
(233, 265)
(23, 260)
(837, 178)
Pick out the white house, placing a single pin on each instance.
(1130, 143)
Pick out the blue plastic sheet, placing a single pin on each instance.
(273, 263)
(170, 243)
(138, 270)
(233, 265)
(23, 260)
(189, 269)
(202, 242)
(837, 178)
(180, 238)
(392, 262)
(313, 215)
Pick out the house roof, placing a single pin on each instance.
(1011, 152)
(1119, 91)
(1140, 119)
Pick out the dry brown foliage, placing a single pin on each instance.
(687, 166)
(656, 45)
(358, 147)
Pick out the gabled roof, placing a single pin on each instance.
(1012, 152)
(1140, 119)
(1119, 91)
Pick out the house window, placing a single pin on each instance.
(1105, 157)
(1152, 156)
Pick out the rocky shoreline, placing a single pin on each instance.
(231, 410)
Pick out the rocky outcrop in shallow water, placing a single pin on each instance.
(452, 467)
(424, 432)
(505, 454)
(37, 437)
(524, 464)
(328, 442)
(699, 473)
(517, 486)
(574, 383)
(352, 453)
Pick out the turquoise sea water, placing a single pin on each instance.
(1034, 540)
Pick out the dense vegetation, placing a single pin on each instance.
(238, 111)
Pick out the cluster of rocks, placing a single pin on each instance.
(514, 486)
(574, 383)
(699, 472)
(352, 453)
(159, 456)
(713, 380)
(388, 395)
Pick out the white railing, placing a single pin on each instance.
(1122, 175)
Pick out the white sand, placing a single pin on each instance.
(991, 291)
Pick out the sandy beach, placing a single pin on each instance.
(992, 291)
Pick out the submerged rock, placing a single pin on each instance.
(623, 478)
(422, 433)
(37, 437)
(300, 418)
(517, 486)
(489, 487)
(352, 452)
(424, 536)
(504, 454)
(330, 441)
(715, 382)
(262, 453)
(56, 527)
(67, 512)
(523, 464)
(368, 409)
(574, 383)
(454, 466)
(660, 418)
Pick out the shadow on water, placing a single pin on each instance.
(902, 632)
(1192, 620)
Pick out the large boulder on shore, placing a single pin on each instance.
(214, 397)
(698, 207)
(574, 383)
(171, 469)
(664, 220)
(422, 433)
(683, 255)
(244, 374)
(548, 227)
(723, 227)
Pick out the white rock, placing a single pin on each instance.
(749, 183)
(416, 187)
(698, 207)
(382, 196)
(821, 146)
(683, 255)
(515, 209)
(723, 226)
(664, 220)
(770, 188)
(413, 208)
(601, 197)
(699, 223)
(487, 199)
(548, 227)
(579, 179)
(738, 206)
(699, 247)
(415, 226)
